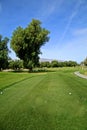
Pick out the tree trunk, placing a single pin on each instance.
(30, 70)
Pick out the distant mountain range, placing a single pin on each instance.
(49, 60)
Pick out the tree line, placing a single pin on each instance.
(26, 43)
(56, 63)
(18, 64)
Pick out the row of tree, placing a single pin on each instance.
(15, 65)
(56, 63)
(18, 64)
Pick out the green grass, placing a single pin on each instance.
(83, 70)
(54, 100)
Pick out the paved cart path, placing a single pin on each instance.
(80, 75)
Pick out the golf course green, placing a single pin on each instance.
(52, 100)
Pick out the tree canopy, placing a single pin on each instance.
(3, 52)
(26, 42)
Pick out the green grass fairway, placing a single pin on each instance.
(54, 100)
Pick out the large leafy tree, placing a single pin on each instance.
(27, 43)
(3, 52)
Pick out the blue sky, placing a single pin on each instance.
(65, 19)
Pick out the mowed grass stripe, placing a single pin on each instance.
(12, 96)
(44, 102)
(9, 78)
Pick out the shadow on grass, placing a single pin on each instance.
(27, 71)
(8, 86)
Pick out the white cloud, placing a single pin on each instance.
(80, 32)
(49, 7)
(74, 13)
(75, 49)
